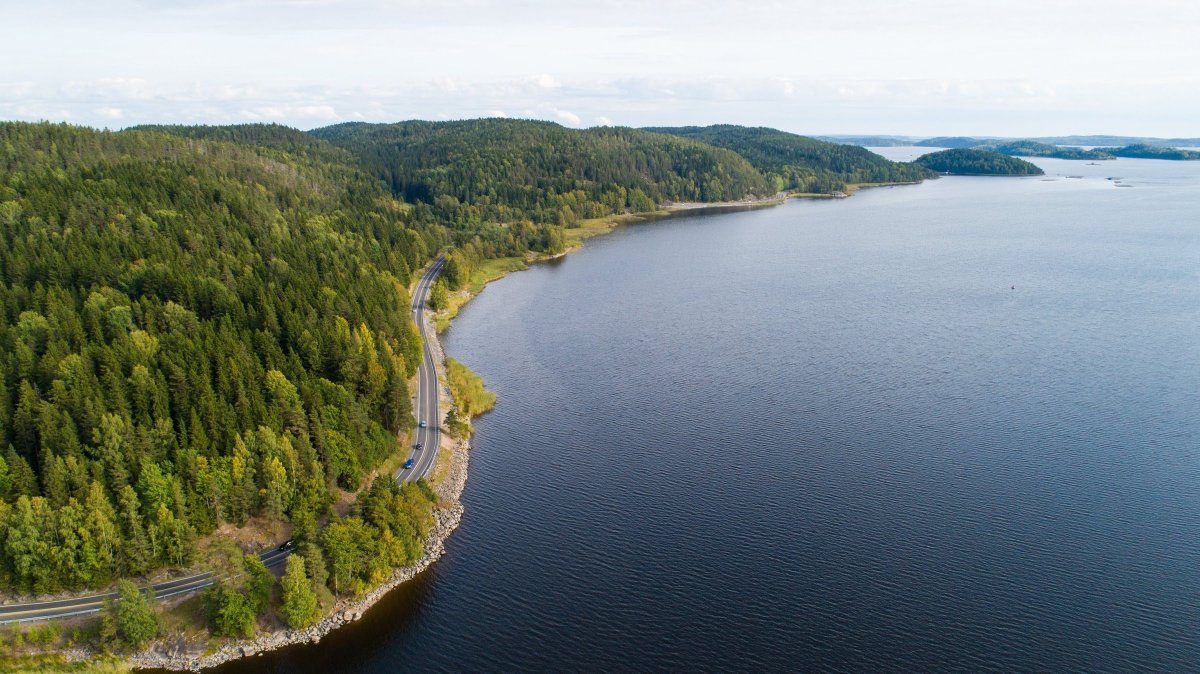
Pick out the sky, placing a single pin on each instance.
(907, 67)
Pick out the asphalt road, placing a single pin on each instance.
(423, 461)
(429, 436)
(63, 608)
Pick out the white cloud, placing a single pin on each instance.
(545, 81)
(325, 112)
(1019, 66)
(11, 90)
(603, 121)
(108, 112)
(568, 117)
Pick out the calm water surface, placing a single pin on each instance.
(945, 427)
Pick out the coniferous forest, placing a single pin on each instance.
(193, 334)
(799, 163)
(977, 163)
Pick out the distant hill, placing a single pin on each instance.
(960, 161)
(800, 163)
(870, 141)
(956, 142)
(1037, 148)
(1151, 152)
(504, 170)
(1089, 141)
(1096, 141)
(1029, 148)
(275, 136)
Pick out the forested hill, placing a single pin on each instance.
(192, 333)
(506, 170)
(1029, 148)
(977, 163)
(277, 136)
(955, 142)
(1151, 152)
(799, 163)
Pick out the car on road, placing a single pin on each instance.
(287, 545)
(409, 464)
(422, 424)
(417, 446)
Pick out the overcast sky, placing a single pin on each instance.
(919, 67)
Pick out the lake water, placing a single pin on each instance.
(953, 426)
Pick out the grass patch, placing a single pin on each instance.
(586, 229)
(441, 467)
(490, 270)
(57, 664)
(393, 462)
(851, 188)
(185, 618)
(471, 398)
(813, 195)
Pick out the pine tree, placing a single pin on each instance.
(300, 606)
(137, 552)
(105, 534)
(259, 582)
(135, 621)
(278, 489)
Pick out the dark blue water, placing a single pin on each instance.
(946, 427)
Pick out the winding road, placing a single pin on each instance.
(429, 436)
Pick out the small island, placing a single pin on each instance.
(966, 162)
(1144, 151)
(1149, 148)
(1030, 148)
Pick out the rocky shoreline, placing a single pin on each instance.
(769, 200)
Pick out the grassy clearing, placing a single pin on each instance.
(851, 188)
(813, 195)
(57, 664)
(441, 467)
(184, 619)
(490, 270)
(393, 462)
(471, 398)
(586, 229)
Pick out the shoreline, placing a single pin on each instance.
(754, 202)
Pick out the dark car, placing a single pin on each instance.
(409, 464)
(287, 545)
(417, 446)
